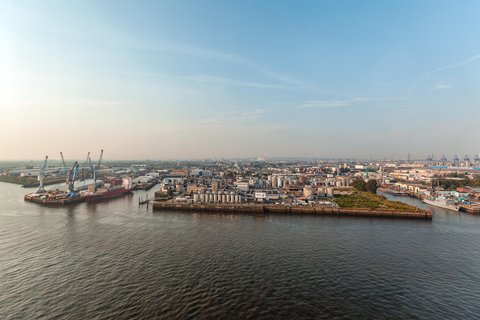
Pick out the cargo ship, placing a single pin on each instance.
(115, 188)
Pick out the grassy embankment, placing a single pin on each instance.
(371, 201)
(30, 182)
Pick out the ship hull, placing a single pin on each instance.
(441, 205)
(107, 195)
(56, 202)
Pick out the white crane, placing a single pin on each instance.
(41, 176)
(64, 168)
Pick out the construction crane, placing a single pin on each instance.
(71, 176)
(41, 176)
(64, 168)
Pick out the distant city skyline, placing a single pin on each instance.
(204, 79)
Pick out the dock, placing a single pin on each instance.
(469, 208)
(293, 210)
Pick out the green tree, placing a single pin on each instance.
(371, 186)
(360, 185)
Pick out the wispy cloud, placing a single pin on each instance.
(233, 117)
(207, 79)
(450, 66)
(234, 82)
(443, 85)
(200, 52)
(92, 103)
(110, 35)
(343, 102)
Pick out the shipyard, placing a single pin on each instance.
(339, 187)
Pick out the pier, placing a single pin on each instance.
(296, 210)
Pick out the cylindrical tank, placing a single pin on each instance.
(202, 197)
(196, 197)
(215, 197)
(307, 191)
(224, 198)
(232, 197)
(329, 192)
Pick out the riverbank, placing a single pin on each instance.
(297, 210)
(29, 182)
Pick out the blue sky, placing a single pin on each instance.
(204, 79)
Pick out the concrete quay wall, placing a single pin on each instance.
(285, 209)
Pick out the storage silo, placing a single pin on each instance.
(280, 182)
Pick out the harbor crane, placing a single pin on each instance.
(64, 166)
(85, 164)
(93, 172)
(429, 158)
(41, 176)
(100, 159)
(456, 160)
(71, 176)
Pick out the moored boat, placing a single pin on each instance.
(442, 202)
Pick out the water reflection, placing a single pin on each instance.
(118, 260)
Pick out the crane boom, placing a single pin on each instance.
(41, 176)
(100, 159)
(71, 176)
(63, 162)
(93, 170)
(86, 160)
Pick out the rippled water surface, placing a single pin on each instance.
(115, 260)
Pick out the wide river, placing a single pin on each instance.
(116, 260)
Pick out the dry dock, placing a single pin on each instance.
(297, 210)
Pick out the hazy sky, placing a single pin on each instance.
(197, 79)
